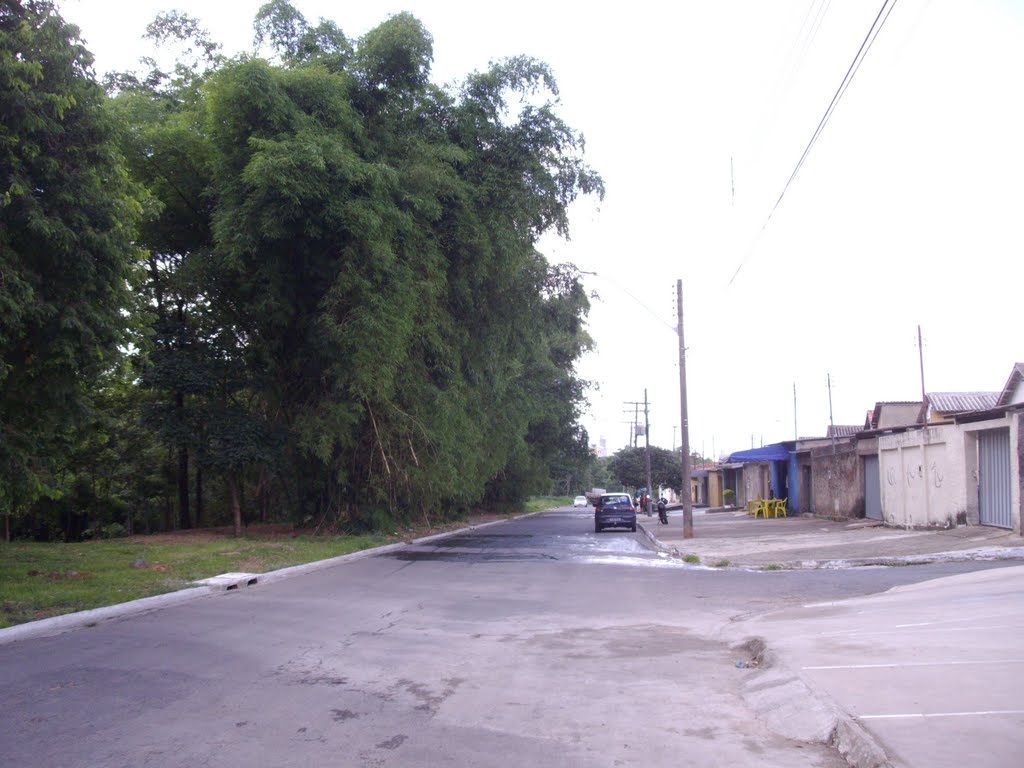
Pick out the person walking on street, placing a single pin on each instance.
(663, 511)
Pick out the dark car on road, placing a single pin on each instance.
(614, 510)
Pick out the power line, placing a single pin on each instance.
(620, 286)
(865, 46)
(815, 26)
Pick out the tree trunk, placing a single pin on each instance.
(262, 502)
(184, 518)
(236, 504)
(199, 496)
(168, 506)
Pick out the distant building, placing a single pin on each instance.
(842, 430)
(888, 414)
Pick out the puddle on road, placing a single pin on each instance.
(603, 549)
(660, 560)
(428, 555)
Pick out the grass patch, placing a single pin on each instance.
(541, 503)
(722, 563)
(772, 567)
(38, 581)
(692, 559)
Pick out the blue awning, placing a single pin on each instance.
(775, 452)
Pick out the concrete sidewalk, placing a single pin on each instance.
(731, 537)
(916, 677)
(924, 675)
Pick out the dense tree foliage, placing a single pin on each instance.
(67, 214)
(344, 316)
(629, 467)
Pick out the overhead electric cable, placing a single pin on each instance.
(865, 46)
(619, 284)
(815, 26)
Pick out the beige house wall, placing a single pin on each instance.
(930, 476)
(714, 489)
(837, 481)
(756, 483)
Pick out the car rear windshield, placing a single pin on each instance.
(616, 502)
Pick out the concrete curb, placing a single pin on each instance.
(71, 621)
(792, 707)
(656, 541)
(951, 556)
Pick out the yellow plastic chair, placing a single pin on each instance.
(779, 507)
(754, 506)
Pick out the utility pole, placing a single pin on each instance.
(634, 430)
(647, 452)
(920, 357)
(796, 435)
(684, 429)
(831, 424)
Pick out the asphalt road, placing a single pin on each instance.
(536, 642)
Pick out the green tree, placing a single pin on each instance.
(629, 467)
(67, 261)
(344, 276)
(168, 154)
(279, 24)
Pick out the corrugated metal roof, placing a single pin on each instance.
(961, 402)
(842, 430)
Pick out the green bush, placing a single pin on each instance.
(108, 531)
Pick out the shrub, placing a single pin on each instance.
(108, 531)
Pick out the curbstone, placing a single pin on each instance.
(215, 585)
(791, 708)
(68, 622)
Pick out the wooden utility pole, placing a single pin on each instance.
(684, 428)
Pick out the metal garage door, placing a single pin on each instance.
(994, 478)
(872, 489)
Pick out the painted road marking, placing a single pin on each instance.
(870, 632)
(915, 664)
(923, 715)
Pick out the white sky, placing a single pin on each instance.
(908, 210)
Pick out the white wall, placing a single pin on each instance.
(929, 476)
(1018, 393)
(923, 478)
